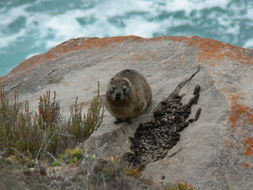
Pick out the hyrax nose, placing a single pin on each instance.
(118, 96)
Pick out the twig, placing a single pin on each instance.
(52, 157)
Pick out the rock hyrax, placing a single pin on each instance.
(128, 95)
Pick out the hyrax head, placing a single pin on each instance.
(119, 90)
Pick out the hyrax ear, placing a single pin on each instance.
(127, 81)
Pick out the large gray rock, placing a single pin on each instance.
(215, 152)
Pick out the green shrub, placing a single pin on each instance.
(35, 136)
(81, 126)
(49, 111)
(26, 133)
(68, 157)
(182, 186)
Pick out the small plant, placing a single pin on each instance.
(135, 172)
(104, 171)
(114, 159)
(49, 111)
(70, 156)
(48, 120)
(182, 186)
(81, 126)
(76, 123)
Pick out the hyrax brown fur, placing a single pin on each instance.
(128, 95)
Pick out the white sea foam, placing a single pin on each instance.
(117, 17)
(249, 43)
(6, 18)
(6, 41)
(145, 29)
(190, 5)
(65, 26)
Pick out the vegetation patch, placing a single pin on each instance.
(69, 156)
(182, 186)
(106, 174)
(31, 136)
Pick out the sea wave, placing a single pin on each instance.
(33, 26)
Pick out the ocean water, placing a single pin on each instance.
(29, 27)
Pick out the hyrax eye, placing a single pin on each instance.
(124, 89)
(114, 88)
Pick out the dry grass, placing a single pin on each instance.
(34, 136)
(49, 111)
(81, 126)
(19, 130)
(182, 186)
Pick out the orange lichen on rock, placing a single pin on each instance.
(240, 115)
(236, 110)
(29, 63)
(212, 49)
(227, 143)
(88, 43)
(239, 112)
(144, 56)
(3, 78)
(246, 165)
(209, 49)
(213, 64)
(249, 148)
(105, 42)
(70, 46)
(173, 38)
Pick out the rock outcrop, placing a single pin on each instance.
(214, 152)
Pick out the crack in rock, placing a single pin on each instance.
(152, 140)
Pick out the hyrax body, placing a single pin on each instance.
(128, 95)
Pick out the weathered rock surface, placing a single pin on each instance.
(215, 152)
(12, 178)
